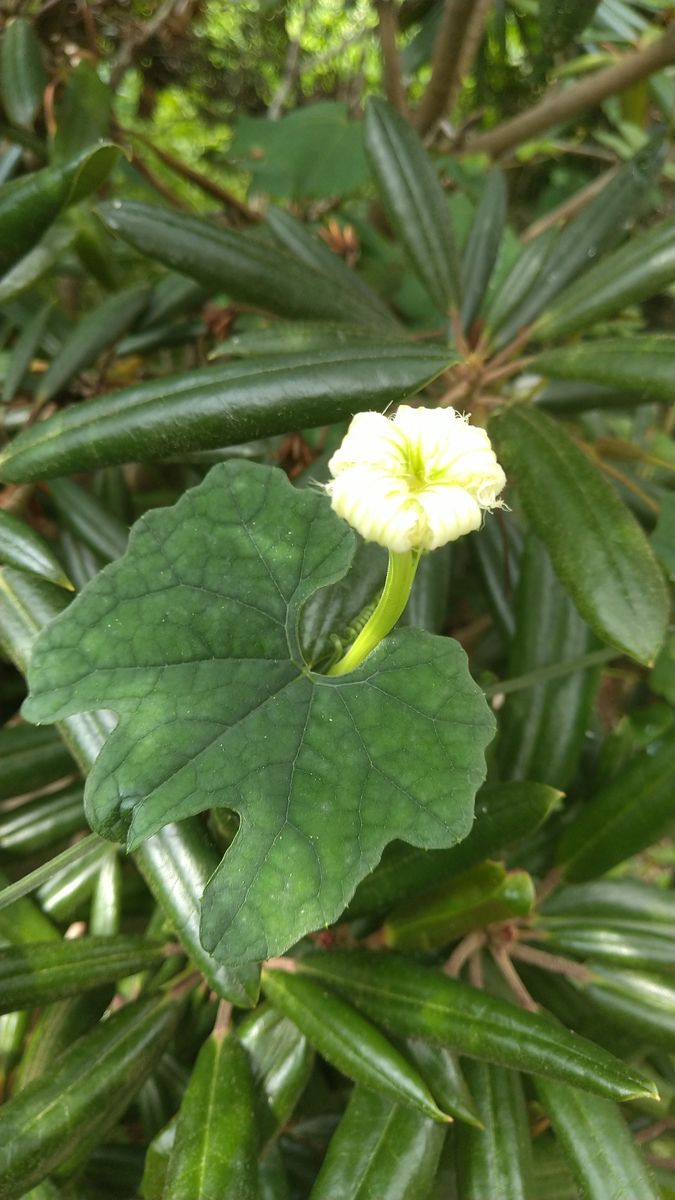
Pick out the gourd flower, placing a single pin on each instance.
(411, 483)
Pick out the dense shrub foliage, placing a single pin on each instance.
(280, 918)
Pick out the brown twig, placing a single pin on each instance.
(144, 170)
(391, 59)
(503, 961)
(470, 46)
(551, 962)
(203, 182)
(462, 953)
(560, 104)
(445, 63)
(570, 207)
(654, 1131)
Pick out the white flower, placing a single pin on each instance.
(416, 481)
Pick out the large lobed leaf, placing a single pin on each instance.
(192, 639)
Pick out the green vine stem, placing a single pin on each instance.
(395, 595)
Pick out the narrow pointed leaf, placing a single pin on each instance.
(482, 245)
(416, 1001)
(39, 973)
(88, 519)
(497, 1160)
(379, 1149)
(29, 205)
(517, 283)
(22, 74)
(51, 249)
(629, 813)
(348, 1041)
(294, 236)
(282, 1061)
(641, 1004)
(24, 350)
(641, 268)
(644, 366)
(626, 943)
(220, 406)
(440, 1069)
(215, 1149)
(597, 228)
(92, 334)
(244, 267)
(414, 202)
(543, 729)
(88, 1088)
(23, 548)
(42, 822)
(605, 1163)
(597, 548)
(229, 650)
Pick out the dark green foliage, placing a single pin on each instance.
(462, 849)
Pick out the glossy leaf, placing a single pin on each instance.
(24, 349)
(23, 548)
(627, 943)
(293, 235)
(379, 1149)
(617, 899)
(35, 974)
(543, 729)
(624, 817)
(598, 550)
(282, 1061)
(641, 1004)
(42, 822)
(92, 334)
(497, 1159)
(504, 813)
(441, 1071)
(644, 366)
(215, 1149)
(515, 287)
(29, 205)
(414, 202)
(472, 900)
(157, 769)
(36, 263)
(348, 1041)
(596, 229)
(416, 1001)
(605, 1163)
(87, 518)
(246, 268)
(22, 922)
(482, 245)
(219, 406)
(31, 758)
(641, 268)
(22, 75)
(71, 884)
(177, 864)
(89, 1087)
(82, 112)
